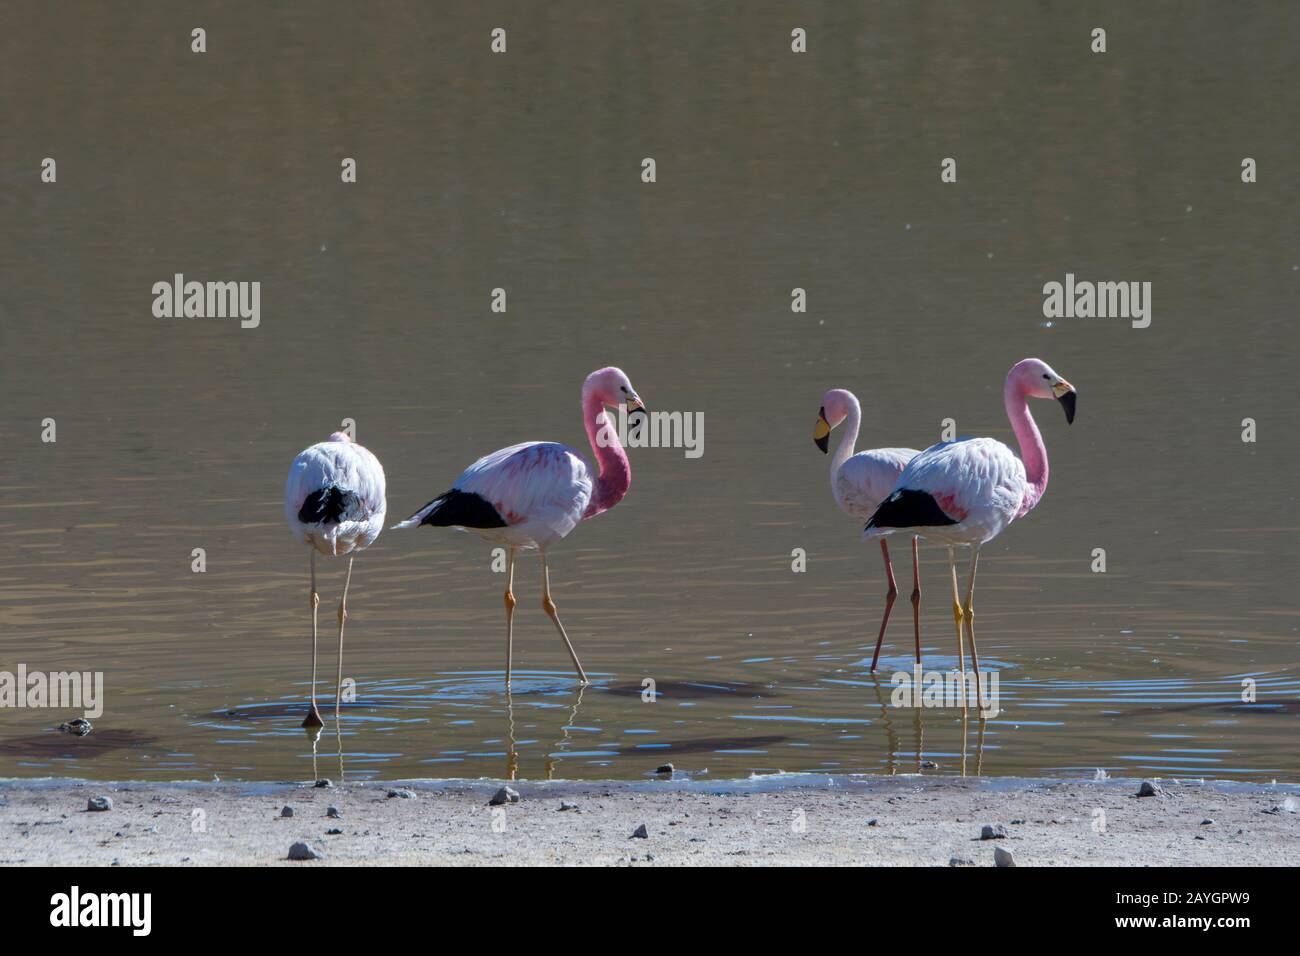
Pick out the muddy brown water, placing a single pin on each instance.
(774, 171)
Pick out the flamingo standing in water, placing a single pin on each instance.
(334, 503)
(965, 492)
(533, 494)
(860, 482)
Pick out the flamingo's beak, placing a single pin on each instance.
(634, 404)
(822, 432)
(1066, 395)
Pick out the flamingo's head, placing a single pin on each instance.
(835, 408)
(1036, 379)
(340, 436)
(613, 388)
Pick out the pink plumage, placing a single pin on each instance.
(966, 492)
(531, 495)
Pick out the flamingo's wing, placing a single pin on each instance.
(537, 482)
(947, 482)
(334, 496)
(867, 478)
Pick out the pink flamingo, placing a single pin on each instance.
(533, 494)
(860, 482)
(334, 502)
(965, 492)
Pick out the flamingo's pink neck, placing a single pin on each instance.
(615, 473)
(1032, 451)
(844, 451)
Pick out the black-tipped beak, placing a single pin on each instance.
(1067, 400)
(822, 432)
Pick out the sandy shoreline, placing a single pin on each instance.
(918, 821)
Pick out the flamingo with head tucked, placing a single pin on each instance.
(334, 502)
(965, 492)
(533, 494)
(860, 482)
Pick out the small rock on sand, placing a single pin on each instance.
(504, 795)
(665, 768)
(99, 803)
(640, 833)
(1207, 822)
(993, 831)
(303, 851)
(78, 728)
(960, 861)
(401, 793)
(565, 805)
(323, 783)
(332, 812)
(286, 811)
(1149, 789)
(1003, 857)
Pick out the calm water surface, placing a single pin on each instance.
(775, 171)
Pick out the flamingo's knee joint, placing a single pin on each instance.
(548, 605)
(510, 601)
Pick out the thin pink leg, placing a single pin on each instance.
(916, 598)
(889, 603)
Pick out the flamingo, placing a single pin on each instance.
(531, 495)
(334, 503)
(860, 482)
(965, 492)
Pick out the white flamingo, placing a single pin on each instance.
(860, 482)
(533, 494)
(965, 492)
(334, 503)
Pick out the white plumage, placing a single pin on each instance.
(334, 503)
(336, 463)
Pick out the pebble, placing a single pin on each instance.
(333, 831)
(99, 803)
(872, 822)
(1149, 789)
(568, 806)
(332, 812)
(993, 831)
(323, 783)
(78, 728)
(401, 793)
(665, 768)
(303, 851)
(640, 833)
(1207, 822)
(1003, 857)
(504, 795)
(960, 861)
(286, 811)
(929, 765)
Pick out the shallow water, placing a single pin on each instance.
(774, 171)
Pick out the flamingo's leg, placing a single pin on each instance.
(313, 715)
(916, 596)
(889, 603)
(957, 615)
(343, 616)
(549, 607)
(510, 612)
(969, 613)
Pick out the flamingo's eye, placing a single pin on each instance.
(1045, 375)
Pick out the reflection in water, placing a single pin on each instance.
(776, 171)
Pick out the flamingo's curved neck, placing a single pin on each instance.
(615, 473)
(1032, 451)
(844, 451)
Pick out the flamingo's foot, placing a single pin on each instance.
(313, 717)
